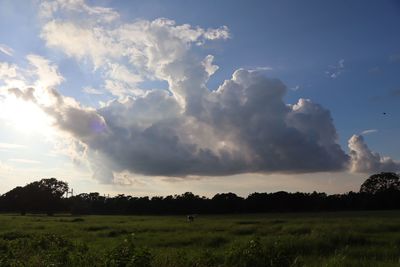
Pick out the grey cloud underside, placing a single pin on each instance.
(244, 126)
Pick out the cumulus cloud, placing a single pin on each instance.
(34, 83)
(242, 126)
(366, 161)
(129, 53)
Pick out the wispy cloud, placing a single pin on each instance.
(27, 161)
(335, 70)
(295, 88)
(265, 68)
(369, 131)
(11, 146)
(395, 93)
(259, 69)
(4, 167)
(389, 95)
(92, 91)
(6, 50)
(374, 70)
(394, 58)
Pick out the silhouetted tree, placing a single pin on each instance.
(380, 191)
(45, 195)
(40, 196)
(381, 182)
(227, 203)
(15, 200)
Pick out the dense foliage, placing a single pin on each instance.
(381, 183)
(43, 196)
(380, 191)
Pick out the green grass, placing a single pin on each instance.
(296, 239)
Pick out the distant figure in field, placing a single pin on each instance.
(190, 218)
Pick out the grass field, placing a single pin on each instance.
(303, 239)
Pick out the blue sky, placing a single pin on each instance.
(344, 56)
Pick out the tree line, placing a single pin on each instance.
(379, 191)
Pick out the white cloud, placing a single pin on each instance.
(25, 161)
(47, 73)
(32, 82)
(121, 73)
(48, 9)
(219, 33)
(132, 52)
(92, 91)
(295, 88)
(265, 68)
(366, 161)
(335, 70)
(6, 50)
(79, 41)
(5, 169)
(8, 146)
(208, 65)
(369, 131)
(243, 127)
(7, 71)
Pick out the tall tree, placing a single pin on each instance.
(381, 182)
(40, 196)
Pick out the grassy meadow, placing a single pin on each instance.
(295, 239)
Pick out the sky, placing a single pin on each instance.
(164, 97)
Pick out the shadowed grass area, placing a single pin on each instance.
(296, 239)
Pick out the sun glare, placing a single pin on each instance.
(24, 116)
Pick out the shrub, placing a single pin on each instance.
(206, 259)
(254, 254)
(251, 254)
(42, 250)
(127, 254)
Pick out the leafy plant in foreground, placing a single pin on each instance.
(127, 254)
(254, 254)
